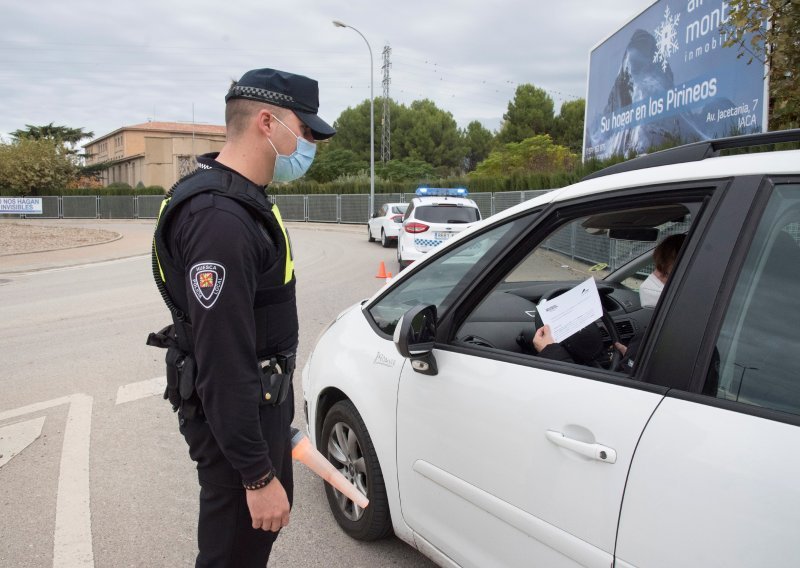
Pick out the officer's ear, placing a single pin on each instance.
(265, 122)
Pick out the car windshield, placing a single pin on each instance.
(447, 214)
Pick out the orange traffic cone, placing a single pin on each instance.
(381, 271)
(388, 277)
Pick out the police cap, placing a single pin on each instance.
(295, 92)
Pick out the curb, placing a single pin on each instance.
(117, 237)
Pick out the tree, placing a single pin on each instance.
(530, 113)
(405, 169)
(421, 131)
(332, 163)
(352, 131)
(426, 132)
(768, 31)
(29, 165)
(536, 155)
(568, 125)
(69, 137)
(478, 143)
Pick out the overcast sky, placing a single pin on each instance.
(103, 65)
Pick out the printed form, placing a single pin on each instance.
(573, 310)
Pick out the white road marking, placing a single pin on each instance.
(72, 545)
(17, 437)
(142, 389)
(72, 538)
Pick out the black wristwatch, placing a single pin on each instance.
(263, 482)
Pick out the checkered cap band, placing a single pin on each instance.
(255, 93)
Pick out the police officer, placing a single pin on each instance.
(223, 262)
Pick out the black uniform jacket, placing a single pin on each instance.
(229, 256)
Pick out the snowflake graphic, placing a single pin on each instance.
(666, 38)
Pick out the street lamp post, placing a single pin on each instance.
(340, 24)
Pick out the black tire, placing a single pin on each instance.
(374, 522)
(369, 235)
(399, 258)
(385, 242)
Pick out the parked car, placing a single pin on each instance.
(478, 452)
(433, 217)
(386, 223)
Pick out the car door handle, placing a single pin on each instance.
(593, 451)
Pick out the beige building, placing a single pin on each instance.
(153, 153)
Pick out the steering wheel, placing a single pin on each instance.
(608, 322)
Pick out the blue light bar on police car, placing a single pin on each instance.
(442, 192)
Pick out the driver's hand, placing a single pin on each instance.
(542, 338)
(621, 348)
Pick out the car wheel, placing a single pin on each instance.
(370, 238)
(349, 448)
(384, 240)
(399, 258)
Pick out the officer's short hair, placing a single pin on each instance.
(239, 111)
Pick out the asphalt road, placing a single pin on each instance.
(95, 480)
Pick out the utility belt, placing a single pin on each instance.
(275, 374)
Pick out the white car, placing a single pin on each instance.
(433, 217)
(386, 223)
(480, 453)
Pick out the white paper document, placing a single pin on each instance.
(571, 311)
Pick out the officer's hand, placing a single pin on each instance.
(269, 506)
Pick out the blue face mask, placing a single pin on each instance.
(288, 168)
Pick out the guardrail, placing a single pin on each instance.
(345, 208)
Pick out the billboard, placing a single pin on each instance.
(665, 79)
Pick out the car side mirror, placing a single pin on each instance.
(414, 338)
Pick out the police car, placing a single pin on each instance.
(433, 217)
(478, 452)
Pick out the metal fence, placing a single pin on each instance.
(344, 208)
(353, 209)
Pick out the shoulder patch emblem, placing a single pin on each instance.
(207, 279)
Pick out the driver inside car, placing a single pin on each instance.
(586, 346)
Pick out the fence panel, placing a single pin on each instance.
(354, 208)
(506, 199)
(382, 198)
(147, 206)
(49, 208)
(484, 203)
(531, 193)
(292, 207)
(79, 206)
(116, 207)
(323, 208)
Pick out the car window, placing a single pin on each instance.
(757, 360)
(399, 209)
(382, 211)
(591, 246)
(433, 283)
(447, 214)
